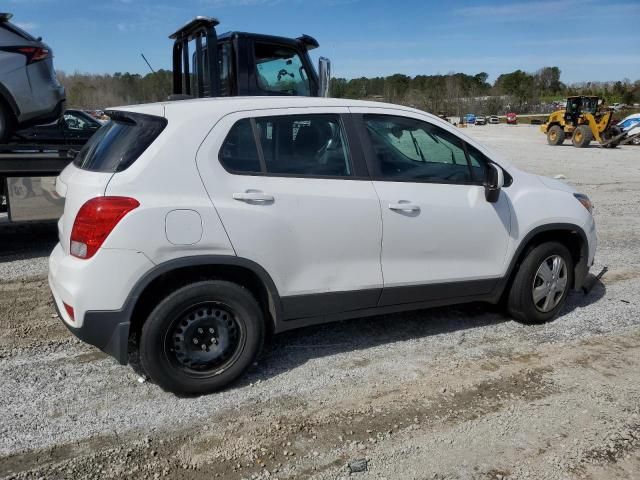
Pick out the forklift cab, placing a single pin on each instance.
(243, 64)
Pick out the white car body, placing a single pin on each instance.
(631, 125)
(327, 248)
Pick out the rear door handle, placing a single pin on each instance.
(402, 206)
(249, 197)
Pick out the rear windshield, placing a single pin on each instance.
(16, 30)
(119, 143)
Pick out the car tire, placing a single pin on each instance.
(555, 135)
(202, 337)
(6, 123)
(582, 136)
(538, 291)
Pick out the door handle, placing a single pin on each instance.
(250, 197)
(404, 207)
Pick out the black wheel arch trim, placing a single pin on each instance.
(581, 267)
(109, 330)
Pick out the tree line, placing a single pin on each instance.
(451, 94)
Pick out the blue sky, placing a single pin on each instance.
(587, 39)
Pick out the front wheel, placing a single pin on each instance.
(582, 136)
(541, 284)
(555, 135)
(202, 337)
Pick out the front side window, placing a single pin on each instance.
(280, 70)
(299, 145)
(409, 149)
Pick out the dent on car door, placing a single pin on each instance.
(442, 238)
(293, 199)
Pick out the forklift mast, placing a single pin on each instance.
(238, 63)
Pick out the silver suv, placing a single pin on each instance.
(30, 93)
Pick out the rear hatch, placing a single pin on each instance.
(112, 149)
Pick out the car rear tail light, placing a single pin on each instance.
(95, 221)
(34, 54)
(69, 310)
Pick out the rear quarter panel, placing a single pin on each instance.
(163, 179)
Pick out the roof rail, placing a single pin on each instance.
(5, 17)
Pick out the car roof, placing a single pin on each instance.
(224, 105)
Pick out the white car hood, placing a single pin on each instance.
(554, 184)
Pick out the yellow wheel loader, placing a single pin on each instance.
(583, 121)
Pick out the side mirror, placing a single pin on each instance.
(324, 76)
(493, 183)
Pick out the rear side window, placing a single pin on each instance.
(119, 143)
(239, 152)
(296, 145)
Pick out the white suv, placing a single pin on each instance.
(193, 228)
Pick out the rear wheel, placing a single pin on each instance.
(555, 135)
(202, 337)
(582, 136)
(6, 123)
(541, 284)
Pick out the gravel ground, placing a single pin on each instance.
(450, 393)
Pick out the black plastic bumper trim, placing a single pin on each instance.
(107, 330)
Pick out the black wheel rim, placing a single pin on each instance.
(205, 339)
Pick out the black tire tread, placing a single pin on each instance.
(153, 361)
(519, 301)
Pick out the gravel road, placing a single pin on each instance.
(449, 393)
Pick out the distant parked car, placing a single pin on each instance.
(494, 120)
(470, 118)
(512, 118)
(75, 127)
(481, 120)
(631, 125)
(29, 90)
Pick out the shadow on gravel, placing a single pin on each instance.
(290, 349)
(24, 241)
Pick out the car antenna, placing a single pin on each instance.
(147, 61)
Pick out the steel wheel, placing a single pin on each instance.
(205, 339)
(549, 283)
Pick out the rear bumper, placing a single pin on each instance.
(98, 290)
(108, 330)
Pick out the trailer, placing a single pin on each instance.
(204, 64)
(27, 181)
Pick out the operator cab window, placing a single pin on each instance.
(279, 70)
(407, 149)
(225, 53)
